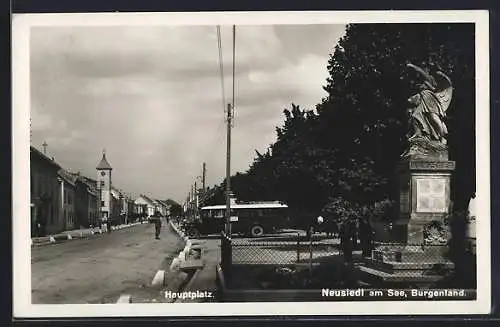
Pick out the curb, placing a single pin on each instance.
(160, 277)
(188, 280)
(172, 276)
(125, 298)
(189, 284)
(60, 238)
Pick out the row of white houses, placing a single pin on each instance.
(147, 206)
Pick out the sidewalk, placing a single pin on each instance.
(76, 234)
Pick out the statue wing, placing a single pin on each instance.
(445, 91)
(423, 73)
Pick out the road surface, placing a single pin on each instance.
(100, 269)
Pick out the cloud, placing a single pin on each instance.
(151, 96)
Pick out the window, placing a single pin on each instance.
(70, 198)
(102, 204)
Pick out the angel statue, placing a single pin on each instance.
(428, 107)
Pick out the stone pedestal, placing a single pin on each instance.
(424, 202)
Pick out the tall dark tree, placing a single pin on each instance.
(175, 208)
(364, 114)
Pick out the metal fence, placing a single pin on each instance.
(282, 250)
(274, 258)
(325, 260)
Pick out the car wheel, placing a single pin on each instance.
(256, 231)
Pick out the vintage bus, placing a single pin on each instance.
(247, 219)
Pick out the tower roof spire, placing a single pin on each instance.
(104, 164)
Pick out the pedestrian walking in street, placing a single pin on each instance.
(156, 218)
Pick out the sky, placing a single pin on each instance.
(151, 96)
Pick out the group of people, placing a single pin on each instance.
(155, 219)
(352, 233)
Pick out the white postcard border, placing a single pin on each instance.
(22, 307)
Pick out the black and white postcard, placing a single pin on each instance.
(264, 163)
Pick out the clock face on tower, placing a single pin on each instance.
(103, 173)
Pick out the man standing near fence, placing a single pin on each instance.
(346, 243)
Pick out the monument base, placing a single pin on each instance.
(405, 267)
(416, 256)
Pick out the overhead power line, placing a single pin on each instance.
(221, 67)
(234, 70)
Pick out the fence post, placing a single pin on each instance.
(226, 256)
(222, 261)
(298, 247)
(310, 258)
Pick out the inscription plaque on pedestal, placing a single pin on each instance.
(431, 195)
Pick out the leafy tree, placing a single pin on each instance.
(175, 208)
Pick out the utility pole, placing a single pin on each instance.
(230, 108)
(45, 147)
(228, 172)
(195, 199)
(204, 176)
(192, 198)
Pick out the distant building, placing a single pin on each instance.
(116, 206)
(104, 183)
(127, 208)
(164, 207)
(67, 185)
(157, 206)
(45, 194)
(145, 205)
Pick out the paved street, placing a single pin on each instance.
(98, 270)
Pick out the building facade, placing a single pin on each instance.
(86, 202)
(45, 195)
(67, 186)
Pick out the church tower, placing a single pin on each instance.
(104, 186)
